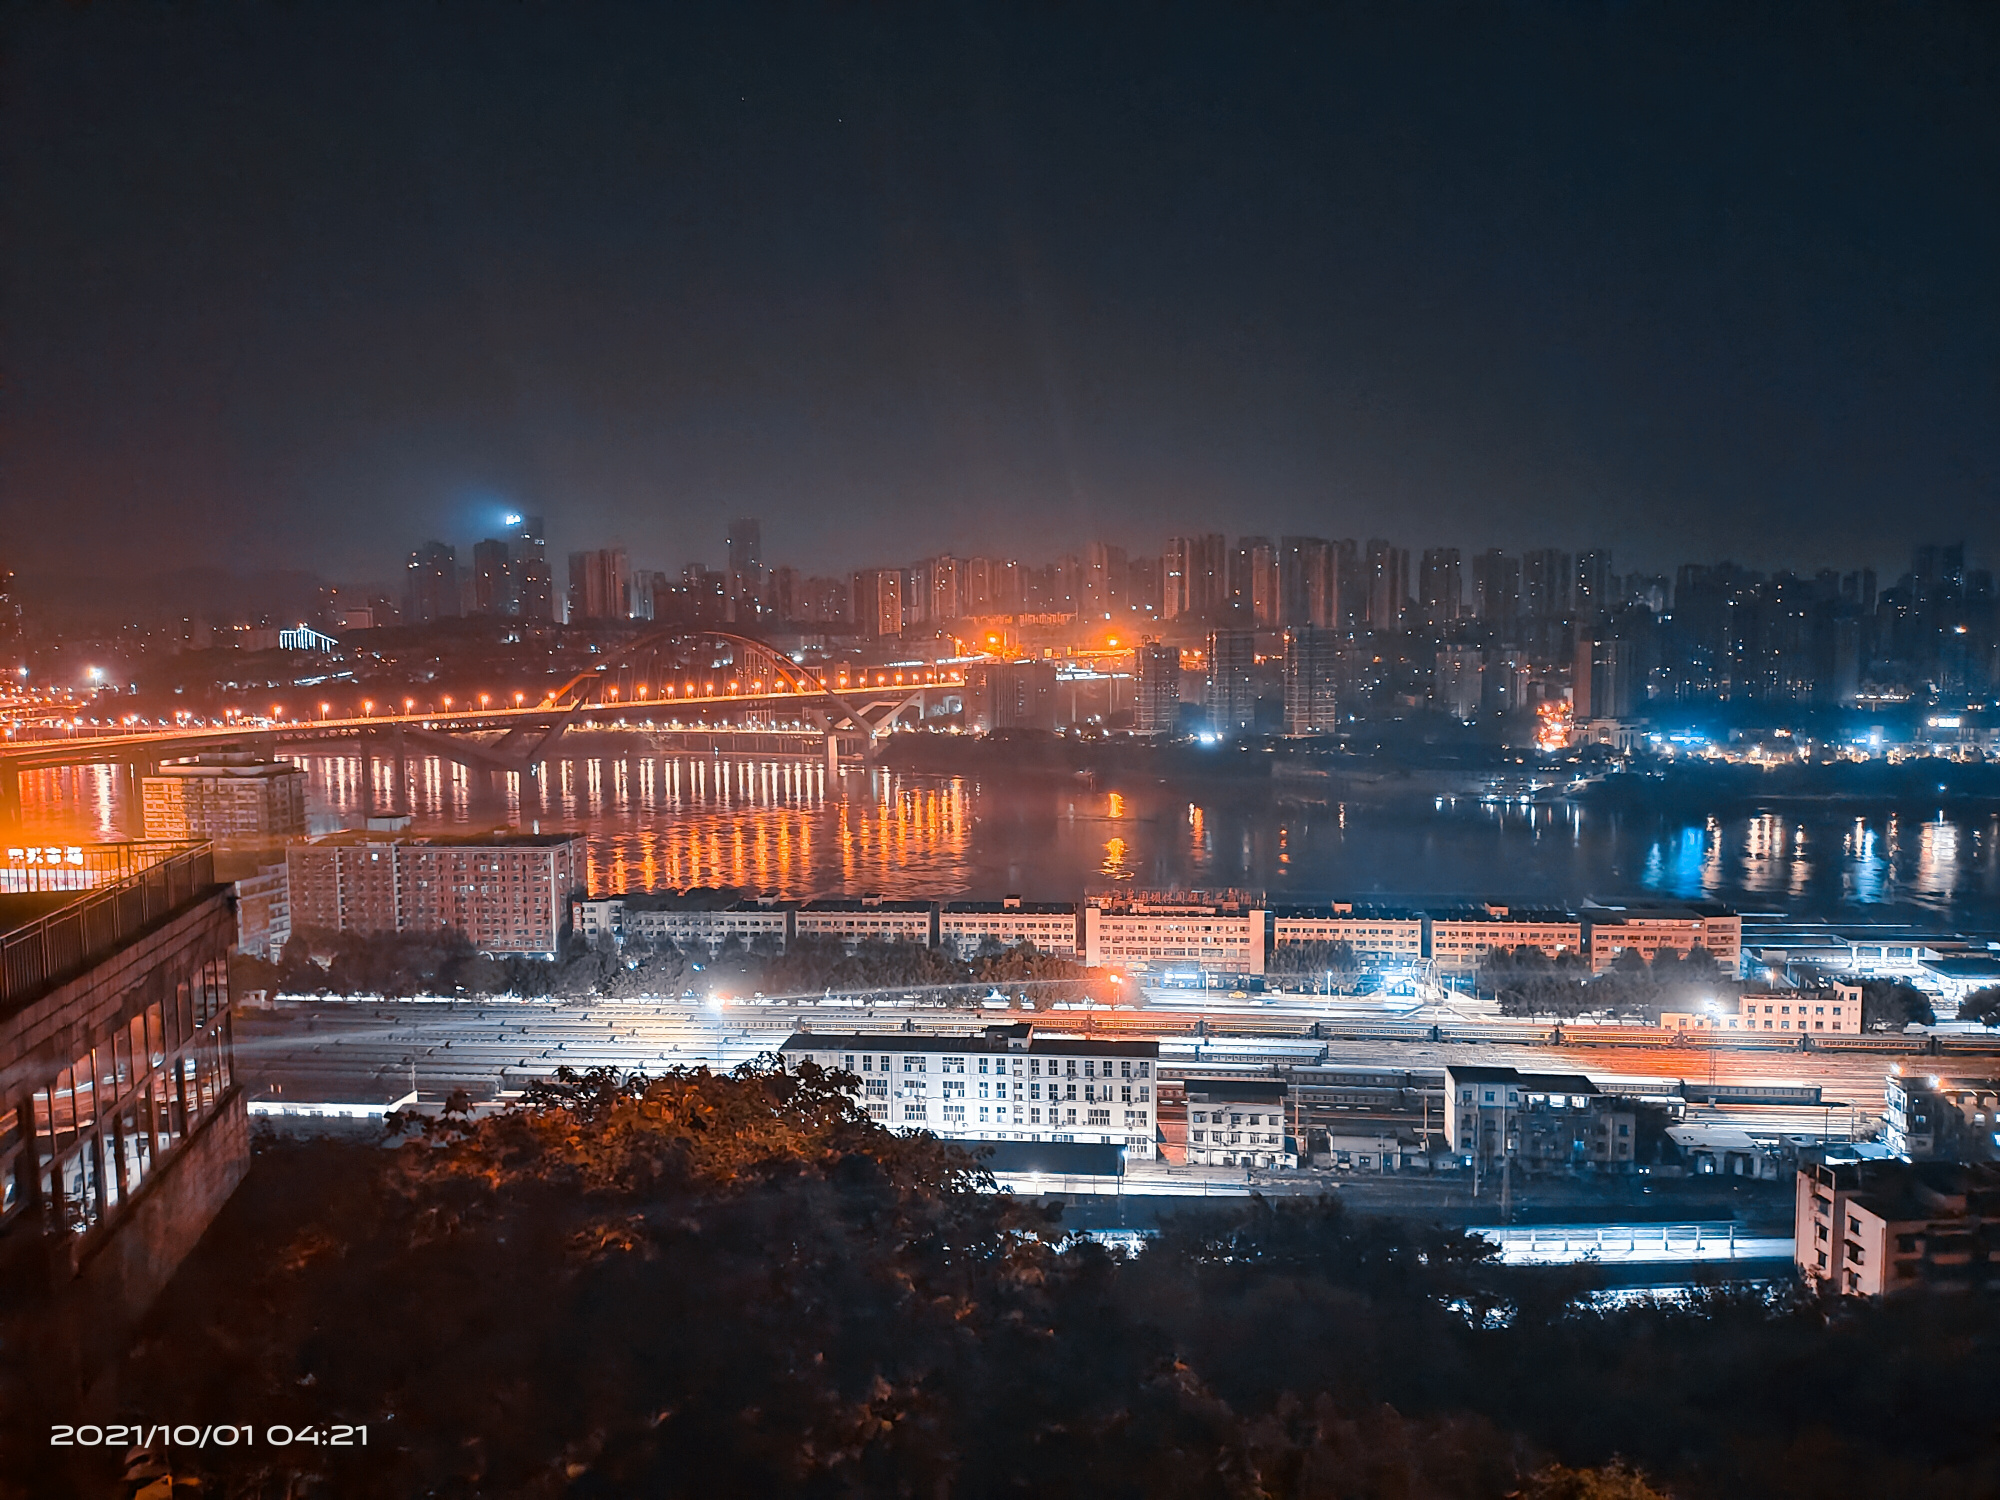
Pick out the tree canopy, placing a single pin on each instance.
(704, 1284)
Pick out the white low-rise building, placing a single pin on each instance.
(868, 918)
(1377, 934)
(1001, 1084)
(1462, 937)
(1237, 1122)
(1219, 935)
(1834, 1010)
(692, 920)
(965, 926)
(1652, 928)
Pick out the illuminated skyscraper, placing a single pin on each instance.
(492, 579)
(1158, 699)
(430, 592)
(746, 569)
(1311, 677)
(1231, 698)
(1308, 581)
(598, 584)
(1388, 585)
(877, 596)
(1439, 586)
(1496, 586)
(1595, 583)
(1545, 582)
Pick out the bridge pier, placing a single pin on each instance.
(10, 794)
(132, 789)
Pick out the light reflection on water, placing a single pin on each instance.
(786, 826)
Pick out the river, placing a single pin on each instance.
(784, 825)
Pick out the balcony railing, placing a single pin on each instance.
(100, 919)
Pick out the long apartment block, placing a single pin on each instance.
(1216, 933)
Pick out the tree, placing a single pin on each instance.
(1891, 1005)
(1982, 1006)
(1315, 958)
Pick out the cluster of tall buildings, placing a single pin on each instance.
(1495, 632)
(509, 576)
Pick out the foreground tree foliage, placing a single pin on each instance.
(709, 1285)
(397, 965)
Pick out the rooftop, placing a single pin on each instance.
(1347, 912)
(993, 1039)
(1653, 911)
(1234, 1090)
(862, 904)
(1967, 967)
(499, 838)
(1497, 913)
(997, 908)
(1536, 1083)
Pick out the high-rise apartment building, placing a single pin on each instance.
(1596, 584)
(430, 592)
(1351, 585)
(507, 894)
(1439, 586)
(533, 582)
(1456, 686)
(1010, 695)
(746, 570)
(528, 536)
(1308, 581)
(224, 797)
(1388, 585)
(1195, 574)
(492, 578)
(598, 584)
(1253, 580)
(535, 588)
(1231, 697)
(1496, 586)
(1545, 583)
(947, 588)
(1601, 678)
(1157, 700)
(10, 609)
(975, 585)
(1174, 563)
(1312, 670)
(877, 597)
(1105, 581)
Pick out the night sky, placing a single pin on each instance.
(292, 285)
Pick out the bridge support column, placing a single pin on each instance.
(367, 777)
(10, 795)
(132, 792)
(832, 754)
(399, 802)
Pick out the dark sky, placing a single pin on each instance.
(297, 285)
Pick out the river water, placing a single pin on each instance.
(785, 825)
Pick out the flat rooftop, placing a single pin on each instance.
(498, 839)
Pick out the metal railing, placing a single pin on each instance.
(94, 925)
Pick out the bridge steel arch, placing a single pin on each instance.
(658, 668)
